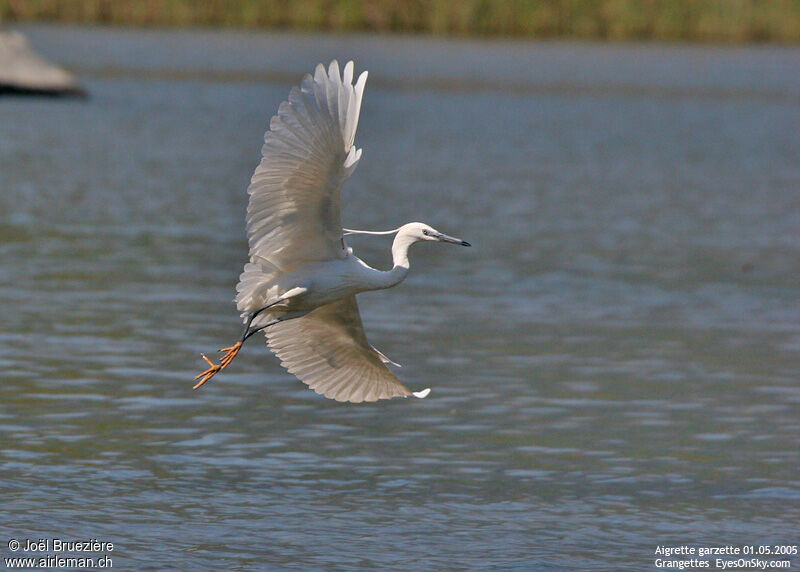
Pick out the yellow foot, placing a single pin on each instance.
(230, 354)
(207, 374)
(213, 368)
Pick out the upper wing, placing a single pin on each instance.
(328, 351)
(293, 215)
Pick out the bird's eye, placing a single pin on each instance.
(425, 232)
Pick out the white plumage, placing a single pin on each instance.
(300, 283)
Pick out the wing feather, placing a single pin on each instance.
(293, 215)
(328, 350)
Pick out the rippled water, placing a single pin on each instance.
(614, 363)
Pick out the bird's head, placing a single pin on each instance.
(420, 231)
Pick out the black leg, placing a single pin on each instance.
(247, 334)
(233, 351)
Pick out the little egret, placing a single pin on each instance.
(301, 282)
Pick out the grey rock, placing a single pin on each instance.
(23, 71)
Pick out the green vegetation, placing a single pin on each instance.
(695, 20)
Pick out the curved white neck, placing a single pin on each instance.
(400, 260)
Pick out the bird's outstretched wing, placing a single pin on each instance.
(328, 350)
(293, 215)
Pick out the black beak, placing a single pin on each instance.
(445, 238)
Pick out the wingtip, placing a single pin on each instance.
(320, 73)
(421, 394)
(333, 70)
(347, 78)
(360, 82)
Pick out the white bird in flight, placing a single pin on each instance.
(301, 282)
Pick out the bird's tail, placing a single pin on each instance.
(258, 285)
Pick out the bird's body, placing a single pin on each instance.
(300, 284)
(322, 282)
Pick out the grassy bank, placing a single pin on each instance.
(694, 20)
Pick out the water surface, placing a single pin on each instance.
(613, 364)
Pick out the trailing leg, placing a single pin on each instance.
(232, 351)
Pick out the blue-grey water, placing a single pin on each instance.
(614, 364)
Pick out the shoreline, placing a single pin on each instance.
(747, 22)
